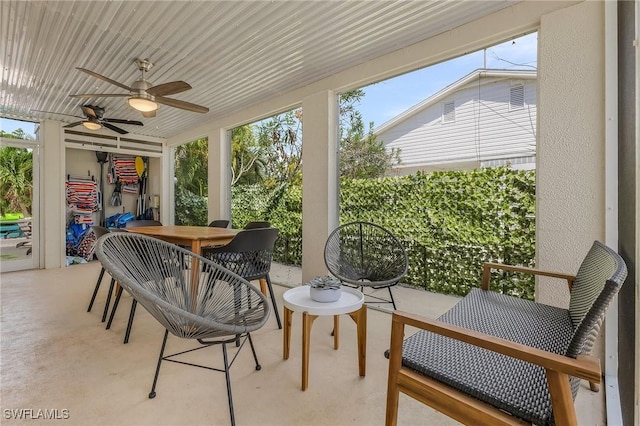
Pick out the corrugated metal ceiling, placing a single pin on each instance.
(233, 53)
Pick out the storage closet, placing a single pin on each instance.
(107, 177)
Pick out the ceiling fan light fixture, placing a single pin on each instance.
(142, 104)
(92, 125)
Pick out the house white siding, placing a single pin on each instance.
(487, 129)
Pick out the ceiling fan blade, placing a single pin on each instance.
(170, 88)
(55, 113)
(181, 104)
(148, 114)
(77, 123)
(89, 111)
(103, 78)
(114, 128)
(99, 95)
(115, 120)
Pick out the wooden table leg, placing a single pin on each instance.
(336, 331)
(360, 318)
(263, 286)
(307, 322)
(195, 276)
(286, 344)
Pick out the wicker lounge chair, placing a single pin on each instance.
(134, 303)
(209, 303)
(366, 255)
(496, 359)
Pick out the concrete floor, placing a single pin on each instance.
(56, 356)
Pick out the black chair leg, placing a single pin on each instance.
(253, 350)
(273, 301)
(95, 290)
(115, 306)
(392, 300)
(106, 306)
(228, 378)
(134, 303)
(152, 394)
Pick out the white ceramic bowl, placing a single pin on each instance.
(325, 295)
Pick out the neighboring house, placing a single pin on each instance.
(485, 119)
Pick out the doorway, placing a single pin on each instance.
(19, 175)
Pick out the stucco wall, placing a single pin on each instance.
(570, 185)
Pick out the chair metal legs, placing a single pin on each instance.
(273, 301)
(127, 333)
(376, 298)
(132, 313)
(152, 394)
(227, 364)
(95, 290)
(106, 306)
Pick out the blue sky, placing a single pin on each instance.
(386, 99)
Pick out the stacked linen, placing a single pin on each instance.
(82, 199)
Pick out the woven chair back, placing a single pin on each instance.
(219, 223)
(599, 278)
(209, 301)
(249, 254)
(364, 253)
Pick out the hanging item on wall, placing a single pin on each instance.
(125, 169)
(102, 158)
(82, 198)
(116, 197)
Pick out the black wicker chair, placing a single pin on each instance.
(249, 255)
(254, 225)
(134, 303)
(210, 304)
(219, 223)
(366, 255)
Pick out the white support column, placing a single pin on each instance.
(219, 194)
(319, 179)
(52, 212)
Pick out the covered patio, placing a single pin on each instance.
(250, 60)
(56, 356)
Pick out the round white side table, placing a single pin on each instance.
(351, 302)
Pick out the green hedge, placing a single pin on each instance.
(449, 222)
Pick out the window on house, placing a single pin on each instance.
(516, 97)
(449, 112)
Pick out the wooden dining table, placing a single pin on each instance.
(195, 237)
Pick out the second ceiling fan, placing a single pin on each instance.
(142, 95)
(95, 119)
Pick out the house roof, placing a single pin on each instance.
(452, 88)
(235, 54)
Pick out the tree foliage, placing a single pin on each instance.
(247, 163)
(362, 155)
(16, 180)
(280, 139)
(191, 166)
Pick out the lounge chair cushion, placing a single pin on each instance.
(502, 381)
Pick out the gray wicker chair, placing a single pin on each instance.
(99, 231)
(366, 255)
(496, 359)
(134, 303)
(208, 303)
